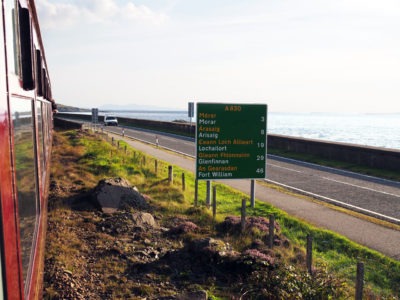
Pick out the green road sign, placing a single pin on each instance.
(231, 141)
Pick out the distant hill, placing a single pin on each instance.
(67, 108)
(116, 107)
(130, 107)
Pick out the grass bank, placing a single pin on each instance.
(335, 254)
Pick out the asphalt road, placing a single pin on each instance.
(372, 235)
(369, 195)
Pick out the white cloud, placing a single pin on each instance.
(370, 7)
(100, 10)
(143, 13)
(57, 15)
(62, 15)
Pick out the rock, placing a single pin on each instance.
(143, 219)
(212, 247)
(114, 194)
(197, 295)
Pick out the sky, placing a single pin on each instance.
(294, 55)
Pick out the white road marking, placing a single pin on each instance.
(280, 167)
(339, 203)
(333, 169)
(341, 182)
(361, 187)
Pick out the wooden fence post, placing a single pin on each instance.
(252, 193)
(271, 232)
(208, 196)
(170, 174)
(360, 281)
(183, 182)
(309, 254)
(196, 191)
(243, 215)
(214, 202)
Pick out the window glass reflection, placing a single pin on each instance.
(12, 34)
(25, 175)
(45, 126)
(40, 134)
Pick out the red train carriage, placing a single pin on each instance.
(26, 109)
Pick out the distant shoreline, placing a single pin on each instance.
(376, 130)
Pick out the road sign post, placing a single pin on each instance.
(231, 141)
(95, 115)
(191, 111)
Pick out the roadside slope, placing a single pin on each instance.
(374, 236)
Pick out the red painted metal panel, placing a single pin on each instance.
(13, 286)
(11, 265)
(10, 251)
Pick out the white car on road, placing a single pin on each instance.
(110, 121)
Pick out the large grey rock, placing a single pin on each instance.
(114, 194)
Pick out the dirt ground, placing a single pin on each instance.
(137, 254)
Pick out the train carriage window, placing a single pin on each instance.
(45, 129)
(25, 34)
(39, 73)
(11, 35)
(26, 179)
(45, 85)
(40, 134)
(48, 127)
(19, 45)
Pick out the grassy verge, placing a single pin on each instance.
(339, 254)
(99, 159)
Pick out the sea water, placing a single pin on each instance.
(378, 130)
